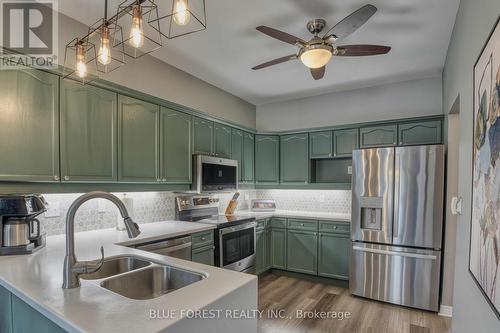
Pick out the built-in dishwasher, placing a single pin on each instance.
(173, 247)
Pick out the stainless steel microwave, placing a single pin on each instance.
(214, 174)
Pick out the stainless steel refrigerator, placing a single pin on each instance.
(397, 222)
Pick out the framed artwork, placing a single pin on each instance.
(484, 251)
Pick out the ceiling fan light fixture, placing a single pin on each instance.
(316, 56)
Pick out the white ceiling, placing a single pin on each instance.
(418, 30)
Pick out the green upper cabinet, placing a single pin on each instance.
(320, 144)
(175, 147)
(237, 150)
(138, 139)
(302, 249)
(294, 161)
(29, 114)
(88, 133)
(222, 139)
(378, 136)
(420, 133)
(267, 159)
(345, 141)
(203, 142)
(333, 256)
(248, 158)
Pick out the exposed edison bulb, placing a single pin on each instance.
(104, 55)
(81, 67)
(136, 33)
(181, 13)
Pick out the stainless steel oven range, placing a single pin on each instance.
(234, 236)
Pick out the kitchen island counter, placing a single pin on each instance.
(37, 279)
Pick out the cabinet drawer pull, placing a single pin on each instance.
(203, 238)
(335, 227)
(302, 224)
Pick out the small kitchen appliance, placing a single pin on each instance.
(234, 237)
(214, 174)
(19, 229)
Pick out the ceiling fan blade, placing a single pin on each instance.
(280, 35)
(276, 61)
(361, 50)
(318, 73)
(352, 22)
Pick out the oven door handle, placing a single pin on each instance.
(245, 226)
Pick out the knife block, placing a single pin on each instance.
(231, 207)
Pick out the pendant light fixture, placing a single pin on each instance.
(80, 61)
(185, 17)
(134, 31)
(139, 21)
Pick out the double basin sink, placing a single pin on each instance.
(141, 279)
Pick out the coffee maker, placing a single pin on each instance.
(19, 229)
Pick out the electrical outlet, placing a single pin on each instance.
(349, 170)
(53, 210)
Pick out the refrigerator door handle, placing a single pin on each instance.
(395, 253)
(397, 193)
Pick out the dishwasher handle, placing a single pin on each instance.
(167, 246)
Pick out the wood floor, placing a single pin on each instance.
(291, 294)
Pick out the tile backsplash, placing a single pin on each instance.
(159, 206)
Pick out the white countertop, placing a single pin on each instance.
(297, 214)
(37, 280)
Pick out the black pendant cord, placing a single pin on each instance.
(105, 11)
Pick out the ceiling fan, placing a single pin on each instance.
(318, 51)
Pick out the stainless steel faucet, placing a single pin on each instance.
(73, 268)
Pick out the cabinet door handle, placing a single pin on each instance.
(302, 224)
(56, 177)
(66, 177)
(203, 238)
(330, 155)
(164, 179)
(334, 227)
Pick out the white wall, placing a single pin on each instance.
(475, 19)
(152, 76)
(398, 100)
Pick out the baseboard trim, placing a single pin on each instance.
(445, 310)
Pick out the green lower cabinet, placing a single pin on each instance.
(278, 248)
(88, 133)
(345, 141)
(294, 158)
(267, 159)
(267, 251)
(138, 139)
(302, 251)
(5, 311)
(333, 255)
(248, 158)
(260, 250)
(222, 140)
(29, 115)
(420, 133)
(25, 319)
(378, 136)
(320, 144)
(237, 150)
(203, 142)
(175, 147)
(204, 255)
